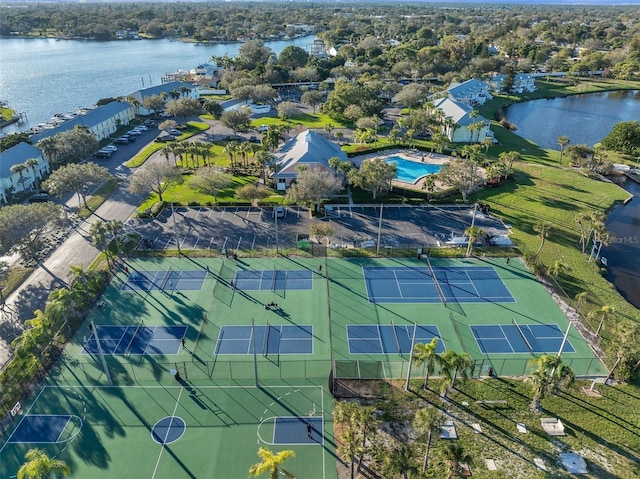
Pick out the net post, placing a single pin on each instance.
(413, 343)
(255, 357)
(523, 336)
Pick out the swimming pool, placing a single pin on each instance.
(411, 171)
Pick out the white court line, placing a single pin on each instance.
(168, 429)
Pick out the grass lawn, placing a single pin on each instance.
(98, 197)
(192, 128)
(555, 195)
(183, 194)
(605, 431)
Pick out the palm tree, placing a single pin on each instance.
(271, 463)
(543, 229)
(39, 465)
(79, 272)
(558, 267)
(32, 163)
(426, 422)
(429, 185)
(486, 144)
(563, 141)
(550, 375)
(604, 313)
(425, 353)
(582, 219)
(19, 168)
(401, 461)
(473, 232)
(349, 447)
(455, 457)
(454, 365)
(367, 420)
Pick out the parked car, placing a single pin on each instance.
(263, 128)
(141, 127)
(279, 212)
(123, 140)
(103, 154)
(175, 132)
(39, 198)
(110, 148)
(134, 132)
(165, 138)
(254, 139)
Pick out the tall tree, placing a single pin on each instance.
(604, 314)
(463, 175)
(272, 463)
(39, 465)
(563, 141)
(19, 168)
(210, 180)
(425, 353)
(543, 229)
(454, 365)
(314, 184)
(78, 178)
(155, 178)
(236, 120)
(312, 98)
(473, 232)
(550, 375)
(401, 461)
(426, 422)
(183, 107)
(374, 176)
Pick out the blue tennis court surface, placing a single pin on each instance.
(135, 339)
(276, 280)
(416, 285)
(521, 338)
(37, 428)
(296, 430)
(372, 338)
(271, 339)
(165, 280)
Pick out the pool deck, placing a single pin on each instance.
(410, 155)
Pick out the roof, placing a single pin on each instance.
(458, 112)
(162, 88)
(308, 148)
(89, 119)
(15, 155)
(467, 89)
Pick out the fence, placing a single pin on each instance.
(386, 370)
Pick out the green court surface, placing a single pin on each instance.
(248, 324)
(110, 433)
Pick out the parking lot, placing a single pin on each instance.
(255, 228)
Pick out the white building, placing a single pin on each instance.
(101, 121)
(308, 148)
(522, 82)
(471, 92)
(24, 180)
(460, 129)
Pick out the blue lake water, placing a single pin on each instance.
(585, 119)
(411, 171)
(42, 77)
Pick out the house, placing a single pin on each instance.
(171, 90)
(460, 127)
(471, 92)
(522, 82)
(101, 121)
(18, 181)
(310, 149)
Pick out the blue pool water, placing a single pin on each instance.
(412, 171)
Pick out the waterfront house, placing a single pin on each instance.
(172, 90)
(522, 82)
(308, 148)
(28, 176)
(101, 121)
(471, 92)
(459, 120)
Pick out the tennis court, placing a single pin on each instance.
(135, 339)
(174, 430)
(276, 279)
(269, 339)
(140, 280)
(391, 339)
(520, 338)
(433, 285)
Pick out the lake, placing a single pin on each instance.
(585, 119)
(42, 77)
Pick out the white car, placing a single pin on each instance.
(141, 127)
(109, 148)
(175, 132)
(263, 128)
(279, 212)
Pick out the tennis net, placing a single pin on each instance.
(395, 335)
(167, 279)
(134, 338)
(524, 338)
(436, 282)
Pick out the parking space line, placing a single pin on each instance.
(253, 243)
(210, 241)
(166, 245)
(195, 245)
(224, 210)
(239, 241)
